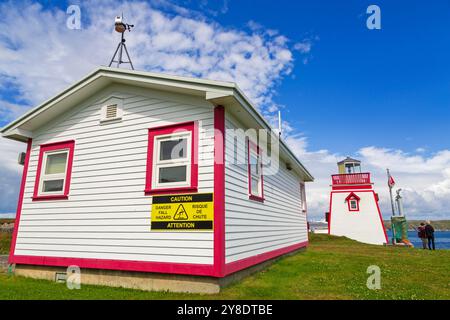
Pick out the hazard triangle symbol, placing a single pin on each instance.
(181, 213)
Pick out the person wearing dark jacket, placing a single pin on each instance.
(422, 235)
(429, 231)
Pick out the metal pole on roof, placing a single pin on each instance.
(279, 124)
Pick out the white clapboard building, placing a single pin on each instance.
(133, 175)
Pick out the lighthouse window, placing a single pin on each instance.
(353, 205)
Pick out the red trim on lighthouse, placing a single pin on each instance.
(352, 196)
(329, 214)
(381, 216)
(20, 202)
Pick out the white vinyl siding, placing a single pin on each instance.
(253, 227)
(107, 215)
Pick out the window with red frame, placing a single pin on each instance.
(172, 159)
(255, 175)
(354, 205)
(54, 171)
(353, 202)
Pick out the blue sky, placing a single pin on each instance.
(379, 95)
(385, 87)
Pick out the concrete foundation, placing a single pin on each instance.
(143, 280)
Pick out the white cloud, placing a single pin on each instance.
(10, 173)
(303, 47)
(10, 111)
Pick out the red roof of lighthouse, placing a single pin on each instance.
(352, 196)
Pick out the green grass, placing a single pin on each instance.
(5, 242)
(331, 268)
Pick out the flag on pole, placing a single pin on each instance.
(391, 182)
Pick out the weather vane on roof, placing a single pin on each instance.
(121, 27)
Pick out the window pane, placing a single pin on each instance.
(53, 185)
(255, 186)
(56, 163)
(173, 149)
(255, 173)
(172, 174)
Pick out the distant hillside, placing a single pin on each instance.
(443, 225)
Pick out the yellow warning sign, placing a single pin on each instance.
(188, 212)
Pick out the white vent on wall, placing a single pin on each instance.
(111, 111)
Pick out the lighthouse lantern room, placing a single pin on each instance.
(354, 210)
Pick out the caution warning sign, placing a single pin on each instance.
(186, 212)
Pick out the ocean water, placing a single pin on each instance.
(441, 239)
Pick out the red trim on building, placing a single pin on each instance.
(48, 198)
(351, 178)
(352, 187)
(329, 214)
(163, 130)
(350, 197)
(253, 146)
(350, 207)
(381, 217)
(20, 201)
(55, 146)
(219, 191)
(250, 261)
(126, 265)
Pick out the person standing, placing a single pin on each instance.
(421, 233)
(429, 231)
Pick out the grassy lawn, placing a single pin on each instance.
(331, 268)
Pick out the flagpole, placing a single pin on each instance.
(392, 205)
(390, 192)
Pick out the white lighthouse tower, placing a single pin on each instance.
(354, 210)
